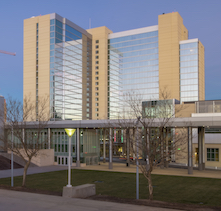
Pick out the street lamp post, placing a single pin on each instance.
(69, 132)
(137, 162)
(12, 162)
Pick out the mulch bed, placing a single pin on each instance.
(143, 202)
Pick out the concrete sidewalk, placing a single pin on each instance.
(31, 170)
(117, 167)
(120, 167)
(16, 200)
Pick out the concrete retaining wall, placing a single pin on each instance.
(81, 191)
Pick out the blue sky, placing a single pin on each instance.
(201, 17)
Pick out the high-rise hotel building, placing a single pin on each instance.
(86, 73)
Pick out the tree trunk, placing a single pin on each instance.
(150, 186)
(25, 172)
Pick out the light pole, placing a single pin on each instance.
(12, 162)
(69, 132)
(137, 162)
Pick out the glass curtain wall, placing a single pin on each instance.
(132, 69)
(89, 146)
(69, 50)
(189, 85)
(61, 144)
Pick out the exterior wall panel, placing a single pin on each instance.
(101, 34)
(171, 31)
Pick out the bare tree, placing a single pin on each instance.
(25, 123)
(149, 131)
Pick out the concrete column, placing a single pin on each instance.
(190, 153)
(49, 138)
(110, 150)
(201, 148)
(104, 145)
(78, 148)
(128, 147)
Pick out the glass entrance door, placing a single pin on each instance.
(63, 160)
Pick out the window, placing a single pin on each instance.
(96, 104)
(212, 154)
(87, 109)
(96, 99)
(97, 41)
(96, 83)
(97, 62)
(96, 88)
(97, 114)
(97, 67)
(96, 78)
(96, 93)
(96, 73)
(96, 109)
(87, 104)
(96, 52)
(97, 46)
(96, 57)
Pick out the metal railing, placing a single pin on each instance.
(208, 106)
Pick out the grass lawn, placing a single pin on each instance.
(189, 190)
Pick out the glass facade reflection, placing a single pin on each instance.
(70, 54)
(89, 146)
(189, 85)
(132, 68)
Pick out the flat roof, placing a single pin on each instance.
(194, 122)
(133, 32)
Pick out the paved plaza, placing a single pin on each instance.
(15, 200)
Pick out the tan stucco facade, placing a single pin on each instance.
(201, 72)
(30, 64)
(208, 163)
(185, 109)
(170, 31)
(99, 75)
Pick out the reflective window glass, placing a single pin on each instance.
(188, 63)
(51, 40)
(58, 23)
(52, 34)
(73, 31)
(51, 28)
(189, 45)
(52, 22)
(59, 30)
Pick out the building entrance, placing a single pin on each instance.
(63, 160)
